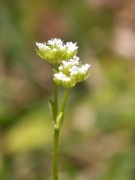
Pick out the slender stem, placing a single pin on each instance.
(57, 131)
(55, 154)
(64, 100)
(56, 134)
(55, 101)
(55, 97)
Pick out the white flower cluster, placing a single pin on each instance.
(54, 51)
(70, 69)
(70, 72)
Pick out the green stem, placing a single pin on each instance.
(56, 136)
(55, 97)
(55, 153)
(62, 108)
(55, 101)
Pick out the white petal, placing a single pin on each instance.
(41, 46)
(55, 41)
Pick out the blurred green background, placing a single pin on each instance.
(97, 141)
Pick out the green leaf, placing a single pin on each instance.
(59, 120)
(52, 109)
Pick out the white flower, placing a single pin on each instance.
(65, 64)
(70, 69)
(61, 76)
(55, 51)
(75, 60)
(71, 46)
(74, 70)
(58, 42)
(70, 63)
(84, 68)
(80, 72)
(64, 80)
(42, 46)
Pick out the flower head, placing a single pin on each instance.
(70, 69)
(54, 51)
(64, 80)
(70, 72)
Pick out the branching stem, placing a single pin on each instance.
(57, 130)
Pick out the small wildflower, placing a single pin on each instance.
(80, 73)
(68, 70)
(71, 71)
(71, 46)
(55, 42)
(64, 80)
(54, 51)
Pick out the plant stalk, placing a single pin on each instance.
(55, 101)
(55, 153)
(57, 130)
(62, 108)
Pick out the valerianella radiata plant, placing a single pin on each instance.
(67, 71)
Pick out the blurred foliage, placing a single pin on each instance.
(98, 136)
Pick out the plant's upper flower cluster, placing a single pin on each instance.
(54, 51)
(70, 69)
(70, 72)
